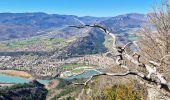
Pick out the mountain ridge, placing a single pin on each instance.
(19, 25)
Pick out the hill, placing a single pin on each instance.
(24, 25)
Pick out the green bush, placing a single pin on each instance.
(67, 90)
(121, 92)
(27, 91)
(63, 83)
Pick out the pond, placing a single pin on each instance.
(14, 79)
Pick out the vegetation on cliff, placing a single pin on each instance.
(31, 91)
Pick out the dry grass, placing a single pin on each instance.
(16, 73)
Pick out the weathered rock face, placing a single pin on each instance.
(153, 94)
(31, 91)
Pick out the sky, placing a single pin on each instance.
(99, 8)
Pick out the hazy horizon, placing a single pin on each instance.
(94, 8)
(71, 15)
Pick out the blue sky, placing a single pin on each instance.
(78, 7)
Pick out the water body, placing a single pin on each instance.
(86, 74)
(14, 79)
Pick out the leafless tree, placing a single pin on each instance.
(154, 41)
(154, 48)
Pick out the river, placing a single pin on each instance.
(15, 79)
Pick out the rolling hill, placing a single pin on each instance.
(24, 25)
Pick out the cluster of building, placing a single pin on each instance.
(48, 67)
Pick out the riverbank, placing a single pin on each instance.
(17, 73)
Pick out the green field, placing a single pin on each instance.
(68, 67)
(34, 43)
(75, 68)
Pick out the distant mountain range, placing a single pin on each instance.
(24, 25)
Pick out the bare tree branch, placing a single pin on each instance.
(122, 54)
(101, 28)
(166, 56)
(112, 74)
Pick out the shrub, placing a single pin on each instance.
(63, 83)
(121, 92)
